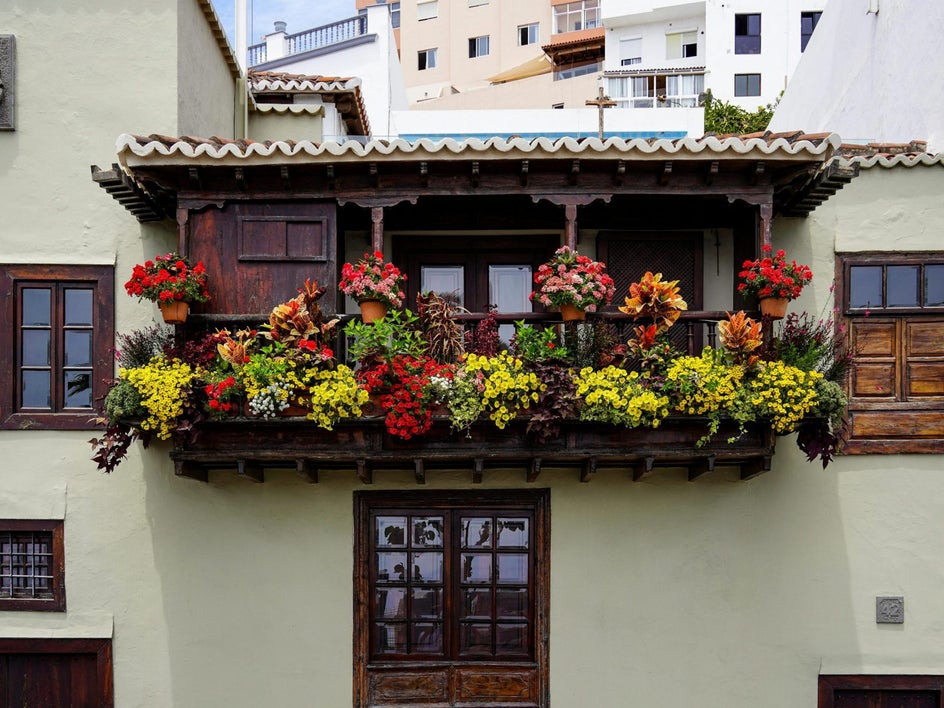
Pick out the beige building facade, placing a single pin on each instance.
(718, 593)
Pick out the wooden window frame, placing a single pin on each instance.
(896, 405)
(100, 648)
(368, 671)
(829, 684)
(102, 281)
(57, 603)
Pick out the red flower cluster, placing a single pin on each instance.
(311, 347)
(571, 279)
(168, 278)
(403, 383)
(773, 276)
(218, 396)
(372, 279)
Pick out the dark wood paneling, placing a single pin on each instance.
(56, 672)
(261, 253)
(880, 691)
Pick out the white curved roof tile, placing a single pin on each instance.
(888, 161)
(160, 148)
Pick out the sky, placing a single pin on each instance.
(298, 14)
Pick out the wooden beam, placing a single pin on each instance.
(570, 226)
(478, 470)
(712, 171)
(424, 174)
(377, 228)
(190, 470)
(620, 172)
(666, 173)
(193, 173)
(286, 182)
(374, 175)
(329, 173)
(643, 468)
(574, 172)
(240, 176)
(364, 473)
(419, 472)
(307, 470)
(589, 469)
(476, 177)
(534, 469)
(524, 173)
(756, 467)
(250, 471)
(758, 172)
(702, 467)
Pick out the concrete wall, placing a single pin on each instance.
(843, 84)
(289, 122)
(206, 96)
(664, 122)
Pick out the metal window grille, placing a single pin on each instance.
(26, 565)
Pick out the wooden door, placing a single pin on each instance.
(881, 691)
(41, 673)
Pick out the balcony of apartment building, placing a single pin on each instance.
(331, 37)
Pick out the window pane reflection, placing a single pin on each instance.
(427, 603)
(390, 638)
(36, 389)
(78, 308)
(512, 533)
(512, 602)
(902, 286)
(390, 531)
(36, 307)
(427, 638)
(390, 603)
(475, 639)
(476, 603)
(391, 567)
(476, 568)
(512, 637)
(446, 281)
(476, 533)
(865, 286)
(427, 567)
(513, 568)
(427, 531)
(78, 348)
(35, 347)
(78, 388)
(934, 286)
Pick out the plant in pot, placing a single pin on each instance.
(574, 283)
(171, 282)
(773, 280)
(658, 304)
(375, 285)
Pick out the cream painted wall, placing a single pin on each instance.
(288, 124)
(206, 95)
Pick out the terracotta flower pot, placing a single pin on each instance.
(175, 311)
(372, 310)
(572, 313)
(774, 307)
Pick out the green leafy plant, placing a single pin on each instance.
(534, 345)
(723, 118)
(396, 333)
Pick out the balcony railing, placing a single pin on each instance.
(324, 36)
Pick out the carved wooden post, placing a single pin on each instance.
(766, 215)
(376, 228)
(183, 238)
(570, 226)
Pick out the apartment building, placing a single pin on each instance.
(668, 54)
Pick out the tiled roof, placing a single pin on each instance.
(889, 154)
(281, 82)
(570, 39)
(160, 149)
(656, 70)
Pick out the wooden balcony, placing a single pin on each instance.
(250, 446)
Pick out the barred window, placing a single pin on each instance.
(31, 565)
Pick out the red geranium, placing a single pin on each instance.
(773, 276)
(372, 279)
(167, 278)
(403, 384)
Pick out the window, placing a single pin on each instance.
(56, 344)
(657, 90)
(681, 45)
(747, 84)
(573, 16)
(395, 15)
(426, 59)
(32, 566)
(631, 51)
(527, 34)
(427, 10)
(893, 307)
(808, 22)
(478, 46)
(451, 585)
(557, 105)
(747, 34)
(62, 672)
(476, 3)
(577, 69)
(881, 691)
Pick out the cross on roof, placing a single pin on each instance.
(601, 101)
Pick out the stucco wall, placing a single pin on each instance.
(206, 95)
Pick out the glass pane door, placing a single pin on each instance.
(508, 289)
